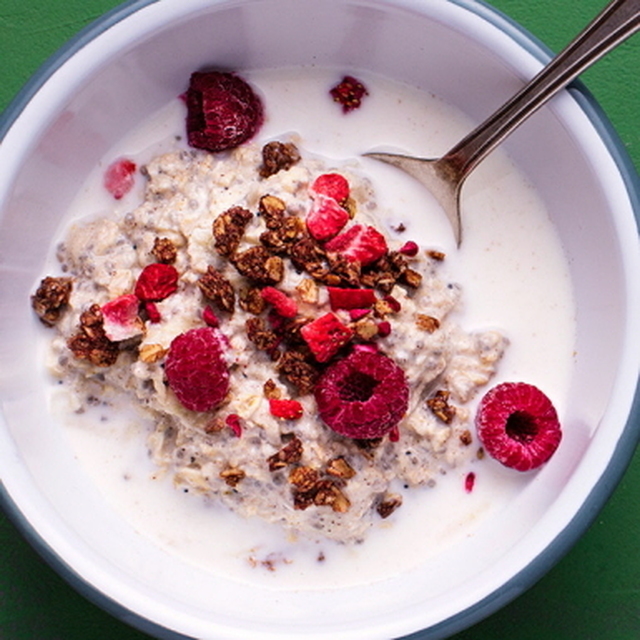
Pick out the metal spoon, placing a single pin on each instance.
(444, 176)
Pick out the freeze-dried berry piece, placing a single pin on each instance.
(285, 409)
(121, 320)
(223, 111)
(326, 218)
(156, 282)
(119, 177)
(341, 298)
(217, 289)
(51, 298)
(362, 396)
(325, 336)
(518, 425)
(332, 185)
(278, 156)
(196, 369)
(282, 304)
(349, 93)
(409, 248)
(362, 243)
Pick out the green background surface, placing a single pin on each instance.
(591, 594)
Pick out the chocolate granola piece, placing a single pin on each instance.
(304, 478)
(427, 323)
(307, 255)
(90, 342)
(440, 407)
(280, 239)
(228, 229)
(250, 300)
(259, 265)
(277, 156)
(327, 493)
(232, 476)
(217, 289)
(290, 454)
(51, 298)
(295, 369)
(388, 505)
(272, 210)
(164, 250)
(340, 468)
(264, 339)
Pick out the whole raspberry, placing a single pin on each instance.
(223, 111)
(196, 369)
(363, 396)
(518, 425)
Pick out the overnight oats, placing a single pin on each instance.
(299, 357)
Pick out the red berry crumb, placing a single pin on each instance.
(326, 218)
(282, 304)
(325, 336)
(364, 395)
(409, 248)
(340, 298)
(210, 318)
(196, 369)
(156, 282)
(223, 111)
(349, 93)
(153, 313)
(233, 422)
(360, 243)
(332, 185)
(469, 482)
(518, 425)
(119, 177)
(285, 409)
(384, 329)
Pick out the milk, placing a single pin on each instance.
(514, 277)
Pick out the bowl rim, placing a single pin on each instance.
(602, 489)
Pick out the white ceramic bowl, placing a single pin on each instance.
(132, 62)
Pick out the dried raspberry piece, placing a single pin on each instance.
(409, 248)
(156, 282)
(518, 425)
(325, 336)
(119, 177)
(384, 329)
(282, 304)
(153, 313)
(332, 185)
(285, 409)
(120, 318)
(349, 93)
(362, 243)
(362, 396)
(469, 482)
(233, 422)
(326, 218)
(210, 318)
(223, 111)
(196, 369)
(340, 298)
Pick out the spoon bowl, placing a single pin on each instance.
(444, 176)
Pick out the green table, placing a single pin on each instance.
(592, 594)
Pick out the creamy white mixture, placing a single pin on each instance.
(500, 274)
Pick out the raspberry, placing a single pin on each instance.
(363, 396)
(325, 336)
(340, 298)
(326, 218)
(518, 425)
(409, 248)
(349, 93)
(282, 304)
(360, 243)
(285, 409)
(332, 185)
(196, 370)
(156, 282)
(120, 318)
(119, 177)
(223, 111)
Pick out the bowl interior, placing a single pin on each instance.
(471, 59)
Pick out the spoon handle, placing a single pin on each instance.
(618, 20)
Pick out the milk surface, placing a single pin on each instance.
(514, 277)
